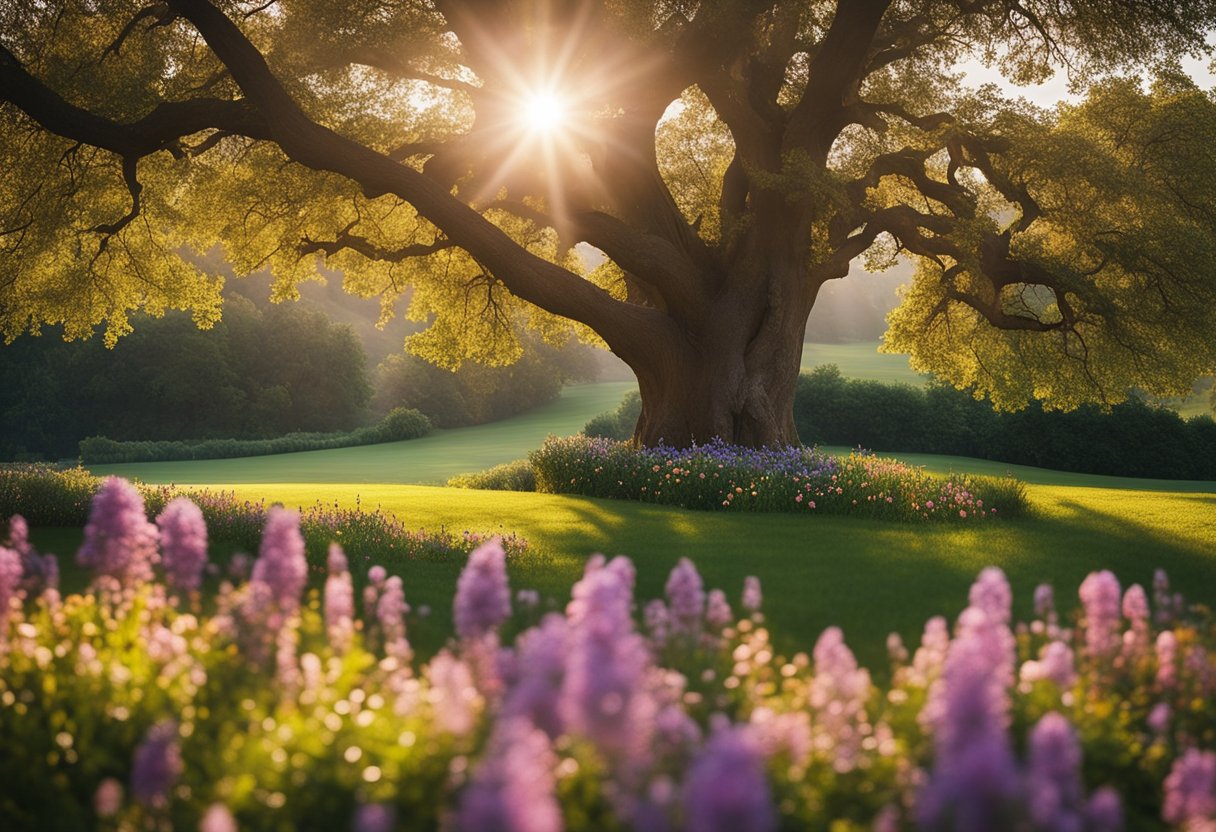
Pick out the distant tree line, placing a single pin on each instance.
(262, 372)
(400, 424)
(1132, 439)
(475, 393)
(258, 373)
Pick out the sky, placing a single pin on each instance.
(1056, 89)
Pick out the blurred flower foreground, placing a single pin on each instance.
(171, 696)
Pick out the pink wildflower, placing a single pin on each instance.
(1100, 595)
(483, 598)
(281, 565)
(183, 538)
(119, 542)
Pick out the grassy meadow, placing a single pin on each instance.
(869, 577)
(816, 571)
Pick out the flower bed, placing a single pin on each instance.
(53, 497)
(140, 704)
(722, 477)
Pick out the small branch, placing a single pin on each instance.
(158, 13)
(353, 242)
(130, 176)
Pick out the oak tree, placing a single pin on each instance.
(727, 157)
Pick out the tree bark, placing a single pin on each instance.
(733, 371)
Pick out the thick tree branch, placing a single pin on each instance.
(626, 328)
(160, 129)
(835, 77)
(347, 241)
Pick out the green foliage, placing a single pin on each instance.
(617, 424)
(48, 496)
(400, 424)
(256, 374)
(1132, 439)
(292, 721)
(510, 476)
(1124, 250)
(476, 393)
(721, 477)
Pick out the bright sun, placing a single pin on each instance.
(544, 112)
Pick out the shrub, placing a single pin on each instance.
(1132, 439)
(617, 424)
(139, 704)
(719, 477)
(55, 497)
(399, 424)
(510, 476)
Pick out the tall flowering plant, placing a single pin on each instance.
(263, 703)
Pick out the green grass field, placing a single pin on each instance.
(430, 460)
(862, 360)
(871, 578)
(868, 577)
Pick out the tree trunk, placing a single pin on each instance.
(733, 371)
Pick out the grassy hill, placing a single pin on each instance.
(429, 460)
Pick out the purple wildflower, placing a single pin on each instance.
(838, 696)
(513, 788)
(1055, 664)
(1053, 782)
(991, 593)
(1190, 789)
(483, 598)
(1044, 600)
(929, 657)
(453, 694)
(281, 564)
(975, 777)
(896, 651)
(339, 601)
(375, 817)
(1167, 659)
(1104, 813)
(119, 542)
(1159, 718)
(727, 790)
(685, 598)
(158, 764)
(718, 613)
(183, 543)
(752, 597)
(390, 614)
(541, 667)
(33, 567)
(1163, 600)
(658, 622)
(10, 582)
(1100, 594)
(604, 693)
(1135, 606)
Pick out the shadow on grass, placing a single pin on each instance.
(868, 577)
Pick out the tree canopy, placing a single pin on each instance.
(728, 157)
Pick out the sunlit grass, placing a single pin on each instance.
(868, 577)
(433, 459)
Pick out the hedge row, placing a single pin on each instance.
(1132, 439)
(398, 425)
